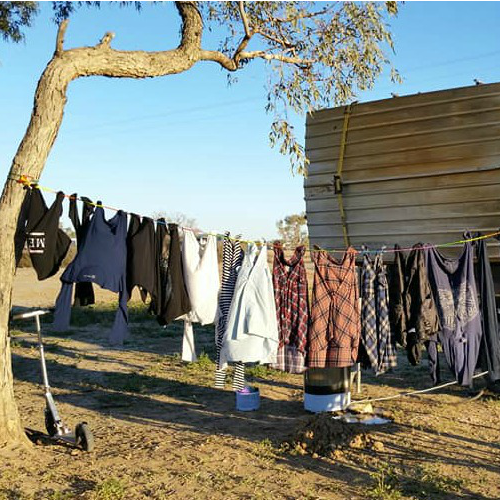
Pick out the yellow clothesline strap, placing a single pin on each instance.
(337, 178)
(25, 181)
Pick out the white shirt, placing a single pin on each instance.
(252, 329)
(201, 277)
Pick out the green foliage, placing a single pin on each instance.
(14, 16)
(265, 450)
(317, 54)
(427, 482)
(293, 229)
(110, 489)
(263, 372)
(202, 364)
(385, 487)
(60, 495)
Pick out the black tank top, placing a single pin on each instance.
(47, 244)
(141, 257)
(84, 291)
(176, 300)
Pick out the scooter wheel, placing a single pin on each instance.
(84, 437)
(50, 423)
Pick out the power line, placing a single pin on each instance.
(167, 114)
(451, 62)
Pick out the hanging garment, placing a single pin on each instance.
(175, 302)
(47, 244)
(335, 325)
(376, 335)
(163, 281)
(454, 288)
(397, 304)
(141, 257)
(84, 292)
(422, 319)
(101, 259)
(489, 352)
(20, 235)
(232, 258)
(201, 275)
(413, 310)
(292, 309)
(251, 334)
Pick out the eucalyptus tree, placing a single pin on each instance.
(314, 55)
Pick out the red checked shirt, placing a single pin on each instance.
(292, 308)
(335, 316)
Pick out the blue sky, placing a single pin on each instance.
(189, 143)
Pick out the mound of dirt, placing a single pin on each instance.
(324, 436)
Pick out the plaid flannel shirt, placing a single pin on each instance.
(335, 317)
(292, 308)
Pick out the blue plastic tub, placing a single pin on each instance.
(248, 400)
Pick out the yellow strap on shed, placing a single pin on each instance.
(338, 176)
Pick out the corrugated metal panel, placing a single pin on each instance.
(416, 168)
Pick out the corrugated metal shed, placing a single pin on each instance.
(416, 168)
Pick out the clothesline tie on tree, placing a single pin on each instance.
(26, 182)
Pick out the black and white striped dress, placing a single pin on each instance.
(232, 257)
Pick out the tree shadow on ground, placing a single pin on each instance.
(140, 399)
(90, 325)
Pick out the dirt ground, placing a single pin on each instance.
(163, 431)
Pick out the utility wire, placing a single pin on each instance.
(28, 181)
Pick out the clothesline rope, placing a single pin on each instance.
(25, 181)
(411, 393)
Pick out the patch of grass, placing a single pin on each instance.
(17, 344)
(16, 333)
(131, 382)
(385, 485)
(154, 370)
(60, 495)
(95, 314)
(104, 314)
(429, 483)
(145, 331)
(265, 450)
(52, 347)
(113, 400)
(110, 489)
(12, 494)
(203, 363)
(263, 372)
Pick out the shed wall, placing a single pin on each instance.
(423, 167)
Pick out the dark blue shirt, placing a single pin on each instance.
(101, 259)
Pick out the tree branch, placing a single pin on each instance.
(60, 36)
(232, 65)
(102, 60)
(106, 39)
(192, 25)
(275, 39)
(304, 15)
(277, 57)
(248, 34)
(241, 6)
(220, 58)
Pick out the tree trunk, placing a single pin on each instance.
(46, 119)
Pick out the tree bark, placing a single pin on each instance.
(30, 158)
